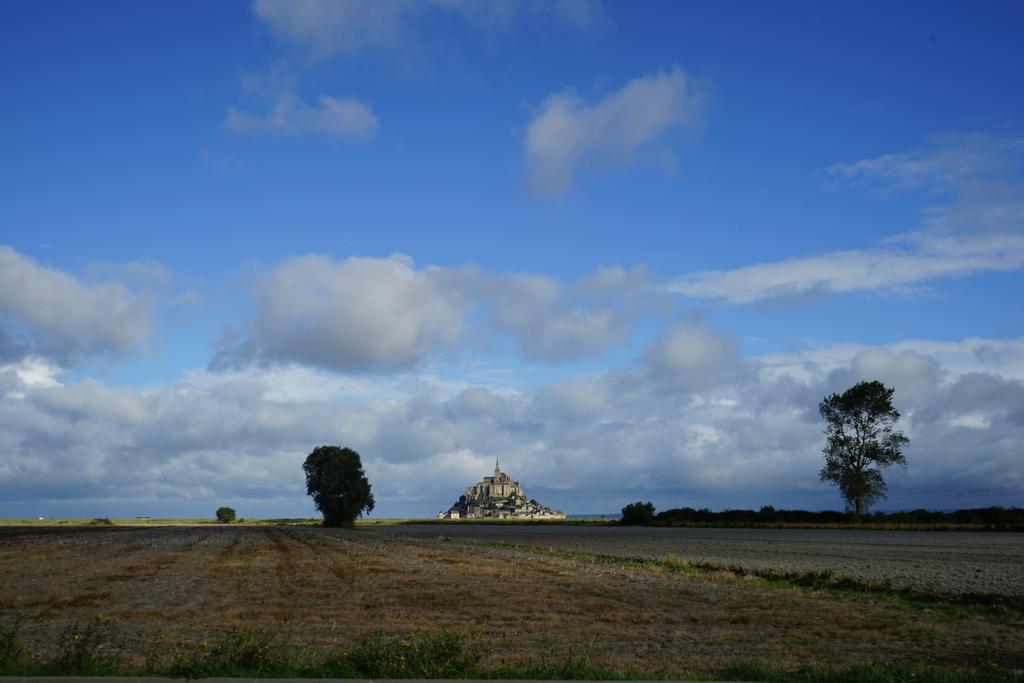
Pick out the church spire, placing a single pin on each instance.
(496, 468)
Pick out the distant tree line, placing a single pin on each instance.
(641, 513)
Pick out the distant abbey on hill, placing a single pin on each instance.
(498, 497)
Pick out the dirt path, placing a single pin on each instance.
(324, 588)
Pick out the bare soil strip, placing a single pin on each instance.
(325, 588)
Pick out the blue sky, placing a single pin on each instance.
(626, 247)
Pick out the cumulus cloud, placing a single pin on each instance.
(343, 119)
(917, 375)
(87, 440)
(568, 134)
(691, 357)
(328, 27)
(366, 314)
(348, 27)
(553, 323)
(588, 443)
(53, 315)
(974, 222)
(1002, 357)
(359, 314)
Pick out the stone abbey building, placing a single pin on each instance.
(498, 497)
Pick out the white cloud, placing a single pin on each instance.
(49, 314)
(35, 372)
(971, 421)
(614, 282)
(359, 314)
(349, 27)
(1002, 357)
(27, 372)
(690, 357)
(343, 119)
(568, 134)
(329, 26)
(944, 165)
(918, 376)
(888, 269)
(365, 314)
(553, 324)
(590, 443)
(979, 228)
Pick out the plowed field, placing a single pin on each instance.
(950, 563)
(324, 588)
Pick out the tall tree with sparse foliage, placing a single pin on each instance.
(862, 439)
(338, 485)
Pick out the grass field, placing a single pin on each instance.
(323, 591)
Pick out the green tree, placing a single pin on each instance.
(225, 515)
(338, 485)
(638, 513)
(860, 426)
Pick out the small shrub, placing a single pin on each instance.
(101, 521)
(638, 513)
(225, 515)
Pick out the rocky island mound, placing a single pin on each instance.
(498, 497)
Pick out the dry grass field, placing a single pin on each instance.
(324, 588)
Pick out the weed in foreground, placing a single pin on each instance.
(12, 654)
(154, 655)
(376, 656)
(575, 670)
(263, 653)
(85, 650)
(244, 651)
